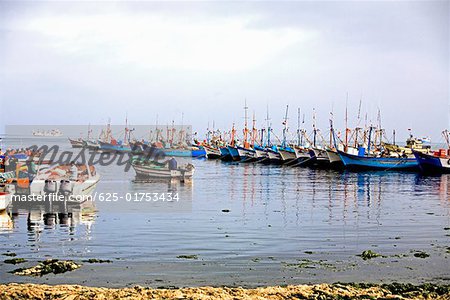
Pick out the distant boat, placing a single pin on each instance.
(47, 133)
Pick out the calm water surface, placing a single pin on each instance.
(241, 211)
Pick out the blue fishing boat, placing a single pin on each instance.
(432, 163)
(198, 152)
(114, 147)
(378, 163)
(234, 153)
(225, 154)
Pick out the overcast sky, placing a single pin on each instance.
(85, 62)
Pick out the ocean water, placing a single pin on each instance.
(237, 213)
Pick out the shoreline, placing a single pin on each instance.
(317, 291)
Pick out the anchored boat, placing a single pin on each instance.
(151, 169)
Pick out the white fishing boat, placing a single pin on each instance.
(211, 152)
(5, 200)
(333, 156)
(161, 171)
(60, 180)
(76, 143)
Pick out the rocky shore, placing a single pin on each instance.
(318, 291)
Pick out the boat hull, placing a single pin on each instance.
(246, 155)
(212, 153)
(225, 154)
(287, 155)
(432, 164)
(378, 163)
(234, 153)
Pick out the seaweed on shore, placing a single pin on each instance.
(14, 261)
(369, 254)
(48, 266)
(97, 261)
(191, 256)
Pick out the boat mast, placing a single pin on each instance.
(283, 144)
(314, 127)
(346, 124)
(254, 130)
(357, 129)
(233, 131)
(245, 125)
(368, 145)
(126, 129)
(446, 135)
(298, 127)
(269, 129)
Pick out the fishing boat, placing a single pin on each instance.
(151, 169)
(212, 152)
(78, 143)
(437, 161)
(198, 151)
(319, 157)
(5, 200)
(287, 154)
(114, 146)
(368, 160)
(378, 163)
(231, 147)
(91, 145)
(273, 155)
(246, 150)
(225, 153)
(261, 154)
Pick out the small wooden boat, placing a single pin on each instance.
(5, 200)
(78, 143)
(157, 170)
